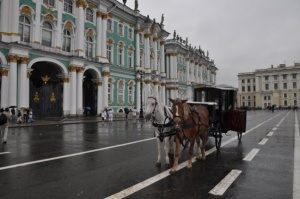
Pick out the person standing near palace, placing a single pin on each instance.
(133, 113)
(13, 115)
(110, 115)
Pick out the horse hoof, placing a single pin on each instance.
(203, 158)
(172, 172)
(198, 158)
(189, 167)
(158, 164)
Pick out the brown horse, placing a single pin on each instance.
(191, 123)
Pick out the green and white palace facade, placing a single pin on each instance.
(61, 56)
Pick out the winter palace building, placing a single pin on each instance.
(278, 86)
(61, 56)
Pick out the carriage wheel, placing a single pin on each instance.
(218, 136)
(239, 134)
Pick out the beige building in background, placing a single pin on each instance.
(276, 85)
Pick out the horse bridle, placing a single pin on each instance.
(154, 106)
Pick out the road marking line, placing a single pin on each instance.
(251, 155)
(263, 141)
(4, 153)
(296, 184)
(270, 133)
(220, 188)
(274, 129)
(71, 155)
(128, 191)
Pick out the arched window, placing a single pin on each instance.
(130, 95)
(89, 15)
(120, 56)
(67, 41)
(109, 53)
(68, 6)
(109, 24)
(120, 29)
(24, 29)
(109, 93)
(130, 59)
(49, 2)
(89, 46)
(121, 92)
(47, 34)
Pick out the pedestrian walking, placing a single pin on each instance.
(110, 115)
(126, 112)
(30, 119)
(4, 122)
(13, 115)
(134, 113)
(19, 117)
(103, 116)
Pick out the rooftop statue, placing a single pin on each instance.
(136, 5)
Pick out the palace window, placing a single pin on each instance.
(284, 85)
(275, 77)
(109, 94)
(294, 85)
(266, 86)
(130, 95)
(109, 53)
(284, 76)
(120, 56)
(68, 6)
(121, 92)
(47, 34)
(89, 46)
(130, 59)
(67, 41)
(294, 76)
(130, 33)
(120, 30)
(24, 29)
(109, 25)
(275, 86)
(89, 15)
(49, 2)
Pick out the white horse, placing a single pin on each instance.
(162, 119)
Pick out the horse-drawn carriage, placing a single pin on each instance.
(221, 104)
(211, 114)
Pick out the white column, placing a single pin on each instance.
(155, 39)
(80, 27)
(23, 83)
(163, 93)
(80, 71)
(73, 90)
(37, 22)
(28, 74)
(138, 92)
(137, 49)
(12, 80)
(105, 76)
(4, 28)
(162, 56)
(103, 36)
(14, 20)
(99, 35)
(4, 88)
(59, 24)
(100, 107)
(147, 51)
(66, 96)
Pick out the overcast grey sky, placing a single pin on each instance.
(240, 35)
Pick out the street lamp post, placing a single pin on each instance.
(140, 71)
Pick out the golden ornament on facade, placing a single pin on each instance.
(90, 33)
(131, 48)
(138, 80)
(105, 74)
(147, 35)
(81, 3)
(130, 83)
(49, 17)
(163, 84)
(121, 44)
(13, 58)
(69, 25)
(53, 98)
(24, 60)
(131, 25)
(91, 5)
(155, 83)
(80, 69)
(36, 97)
(121, 21)
(72, 68)
(45, 79)
(99, 83)
(155, 39)
(148, 81)
(110, 80)
(110, 15)
(110, 41)
(26, 10)
(28, 74)
(65, 79)
(162, 43)
(4, 72)
(121, 83)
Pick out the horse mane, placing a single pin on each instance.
(186, 111)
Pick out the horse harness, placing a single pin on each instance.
(160, 127)
(183, 125)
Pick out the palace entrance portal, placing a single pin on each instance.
(46, 90)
